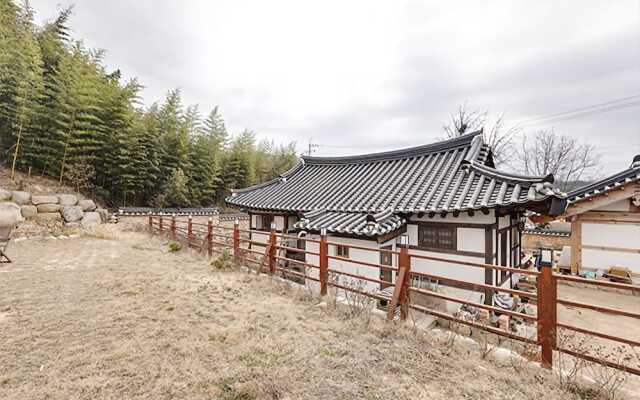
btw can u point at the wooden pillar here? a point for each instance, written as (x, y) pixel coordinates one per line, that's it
(236, 241)
(547, 314)
(272, 249)
(189, 229)
(150, 222)
(209, 236)
(488, 259)
(576, 246)
(161, 228)
(324, 262)
(404, 261)
(173, 227)
(400, 291)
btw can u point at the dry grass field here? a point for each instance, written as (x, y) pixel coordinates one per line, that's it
(115, 315)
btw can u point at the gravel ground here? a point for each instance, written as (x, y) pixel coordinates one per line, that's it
(114, 315)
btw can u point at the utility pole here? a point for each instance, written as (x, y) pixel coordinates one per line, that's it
(312, 147)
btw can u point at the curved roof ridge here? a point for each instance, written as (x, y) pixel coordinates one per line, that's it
(617, 179)
(283, 177)
(436, 147)
(508, 176)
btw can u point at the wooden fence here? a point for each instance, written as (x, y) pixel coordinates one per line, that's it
(273, 254)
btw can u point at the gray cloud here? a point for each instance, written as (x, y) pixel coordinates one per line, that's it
(363, 77)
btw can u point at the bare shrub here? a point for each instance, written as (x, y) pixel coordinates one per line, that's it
(573, 373)
(224, 261)
(358, 304)
(485, 345)
(608, 381)
(522, 353)
(448, 343)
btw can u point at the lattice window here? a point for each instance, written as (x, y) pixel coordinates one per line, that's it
(434, 236)
(342, 251)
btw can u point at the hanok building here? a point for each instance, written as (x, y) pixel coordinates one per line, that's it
(446, 196)
(605, 223)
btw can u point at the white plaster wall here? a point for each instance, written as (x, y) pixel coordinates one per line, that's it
(622, 205)
(312, 258)
(412, 232)
(504, 221)
(471, 239)
(453, 271)
(611, 235)
(260, 237)
(603, 260)
(279, 221)
(355, 268)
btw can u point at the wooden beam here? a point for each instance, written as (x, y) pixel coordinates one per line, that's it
(609, 248)
(610, 216)
(576, 247)
(602, 200)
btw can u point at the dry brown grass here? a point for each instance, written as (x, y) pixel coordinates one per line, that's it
(119, 317)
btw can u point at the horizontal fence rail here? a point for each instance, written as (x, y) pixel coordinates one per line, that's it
(308, 261)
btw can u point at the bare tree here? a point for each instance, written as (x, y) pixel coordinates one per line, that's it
(568, 159)
(465, 120)
(498, 135)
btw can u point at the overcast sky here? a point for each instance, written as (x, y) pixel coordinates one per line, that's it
(372, 76)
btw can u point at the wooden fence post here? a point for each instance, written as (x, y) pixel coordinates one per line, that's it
(547, 314)
(189, 230)
(173, 227)
(160, 226)
(150, 222)
(236, 241)
(401, 290)
(404, 261)
(210, 236)
(272, 249)
(324, 262)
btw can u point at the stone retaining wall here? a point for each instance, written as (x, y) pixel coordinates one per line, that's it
(64, 208)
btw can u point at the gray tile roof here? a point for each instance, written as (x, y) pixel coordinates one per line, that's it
(448, 176)
(351, 223)
(543, 232)
(615, 181)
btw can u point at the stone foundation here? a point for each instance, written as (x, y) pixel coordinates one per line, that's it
(67, 208)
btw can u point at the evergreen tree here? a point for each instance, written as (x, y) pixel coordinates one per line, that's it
(64, 114)
(21, 84)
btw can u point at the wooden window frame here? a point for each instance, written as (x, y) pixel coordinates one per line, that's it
(261, 218)
(342, 251)
(438, 248)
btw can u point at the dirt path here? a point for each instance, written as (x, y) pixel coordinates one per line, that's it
(89, 318)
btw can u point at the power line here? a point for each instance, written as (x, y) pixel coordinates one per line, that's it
(636, 96)
(599, 108)
(594, 109)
